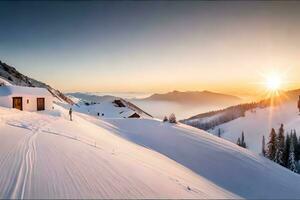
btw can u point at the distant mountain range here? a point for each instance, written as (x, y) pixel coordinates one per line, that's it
(195, 97)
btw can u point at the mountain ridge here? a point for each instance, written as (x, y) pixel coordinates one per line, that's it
(13, 76)
(195, 97)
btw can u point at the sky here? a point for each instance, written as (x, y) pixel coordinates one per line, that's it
(153, 46)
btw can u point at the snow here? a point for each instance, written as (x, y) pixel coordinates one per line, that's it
(259, 122)
(205, 119)
(44, 155)
(104, 105)
(8, 90)
(234, 169)
(4, 81)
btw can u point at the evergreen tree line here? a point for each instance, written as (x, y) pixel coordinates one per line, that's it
(225, 115)
(171, 119)
(284, 150)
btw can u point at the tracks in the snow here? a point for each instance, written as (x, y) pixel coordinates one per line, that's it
(24, 174)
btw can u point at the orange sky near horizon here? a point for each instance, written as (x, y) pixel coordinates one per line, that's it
(154, 47)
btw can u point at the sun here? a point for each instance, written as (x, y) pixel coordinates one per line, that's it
(273, 82)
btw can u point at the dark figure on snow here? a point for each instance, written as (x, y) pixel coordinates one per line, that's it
(70, 113)
(299, 103)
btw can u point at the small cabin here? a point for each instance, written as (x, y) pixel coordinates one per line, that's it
(134, 115)
(25, 98)
(119, 103)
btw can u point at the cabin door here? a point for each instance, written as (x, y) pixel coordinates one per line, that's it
(40, 103)
(17, 103)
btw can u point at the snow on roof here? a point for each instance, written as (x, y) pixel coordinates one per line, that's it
(8, 90)
(127, 113)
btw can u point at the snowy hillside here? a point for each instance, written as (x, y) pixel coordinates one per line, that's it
(210, 120)
(232, 168)
(44, 155)
(111, 155)
(258, 122)
(106, 106)
(4, 82)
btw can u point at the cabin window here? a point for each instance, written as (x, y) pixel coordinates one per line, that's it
(27, 101)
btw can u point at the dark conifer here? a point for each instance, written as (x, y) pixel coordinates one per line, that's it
(292, 162)
(286, 151)
(280, 146)
(271, 148)
(263, 148)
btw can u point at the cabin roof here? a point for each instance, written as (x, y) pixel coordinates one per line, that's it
(9, 90)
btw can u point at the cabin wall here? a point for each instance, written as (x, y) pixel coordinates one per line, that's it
(31, 105)
(49, 103)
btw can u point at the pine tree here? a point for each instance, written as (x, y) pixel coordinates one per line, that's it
(286, 151)
(243, 143)
(271, 149)
(297, 150)
(172, 118)
(295, 139)
(238, 142)
(292, 162)
(219, 132)
(263, 149)
(295, 142)
(279, 146)
(165, 119)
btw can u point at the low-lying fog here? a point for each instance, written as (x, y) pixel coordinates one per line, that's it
(159, 109)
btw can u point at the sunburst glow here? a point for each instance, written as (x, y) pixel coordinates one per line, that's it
(273, 82)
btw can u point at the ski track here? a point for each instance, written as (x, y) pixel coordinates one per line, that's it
(37, 164)
(45, 155)
(22, 180)
(24, 176)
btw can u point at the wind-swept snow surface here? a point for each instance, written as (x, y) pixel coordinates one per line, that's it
(235, 169)
(44, 155)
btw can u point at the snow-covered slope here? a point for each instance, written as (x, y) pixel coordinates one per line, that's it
(44, 155)
(211, 119)
(106, 106)
(4, 82)
(258, 122)
(232, 168)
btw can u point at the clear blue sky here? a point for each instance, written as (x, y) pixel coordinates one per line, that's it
(150, 46)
